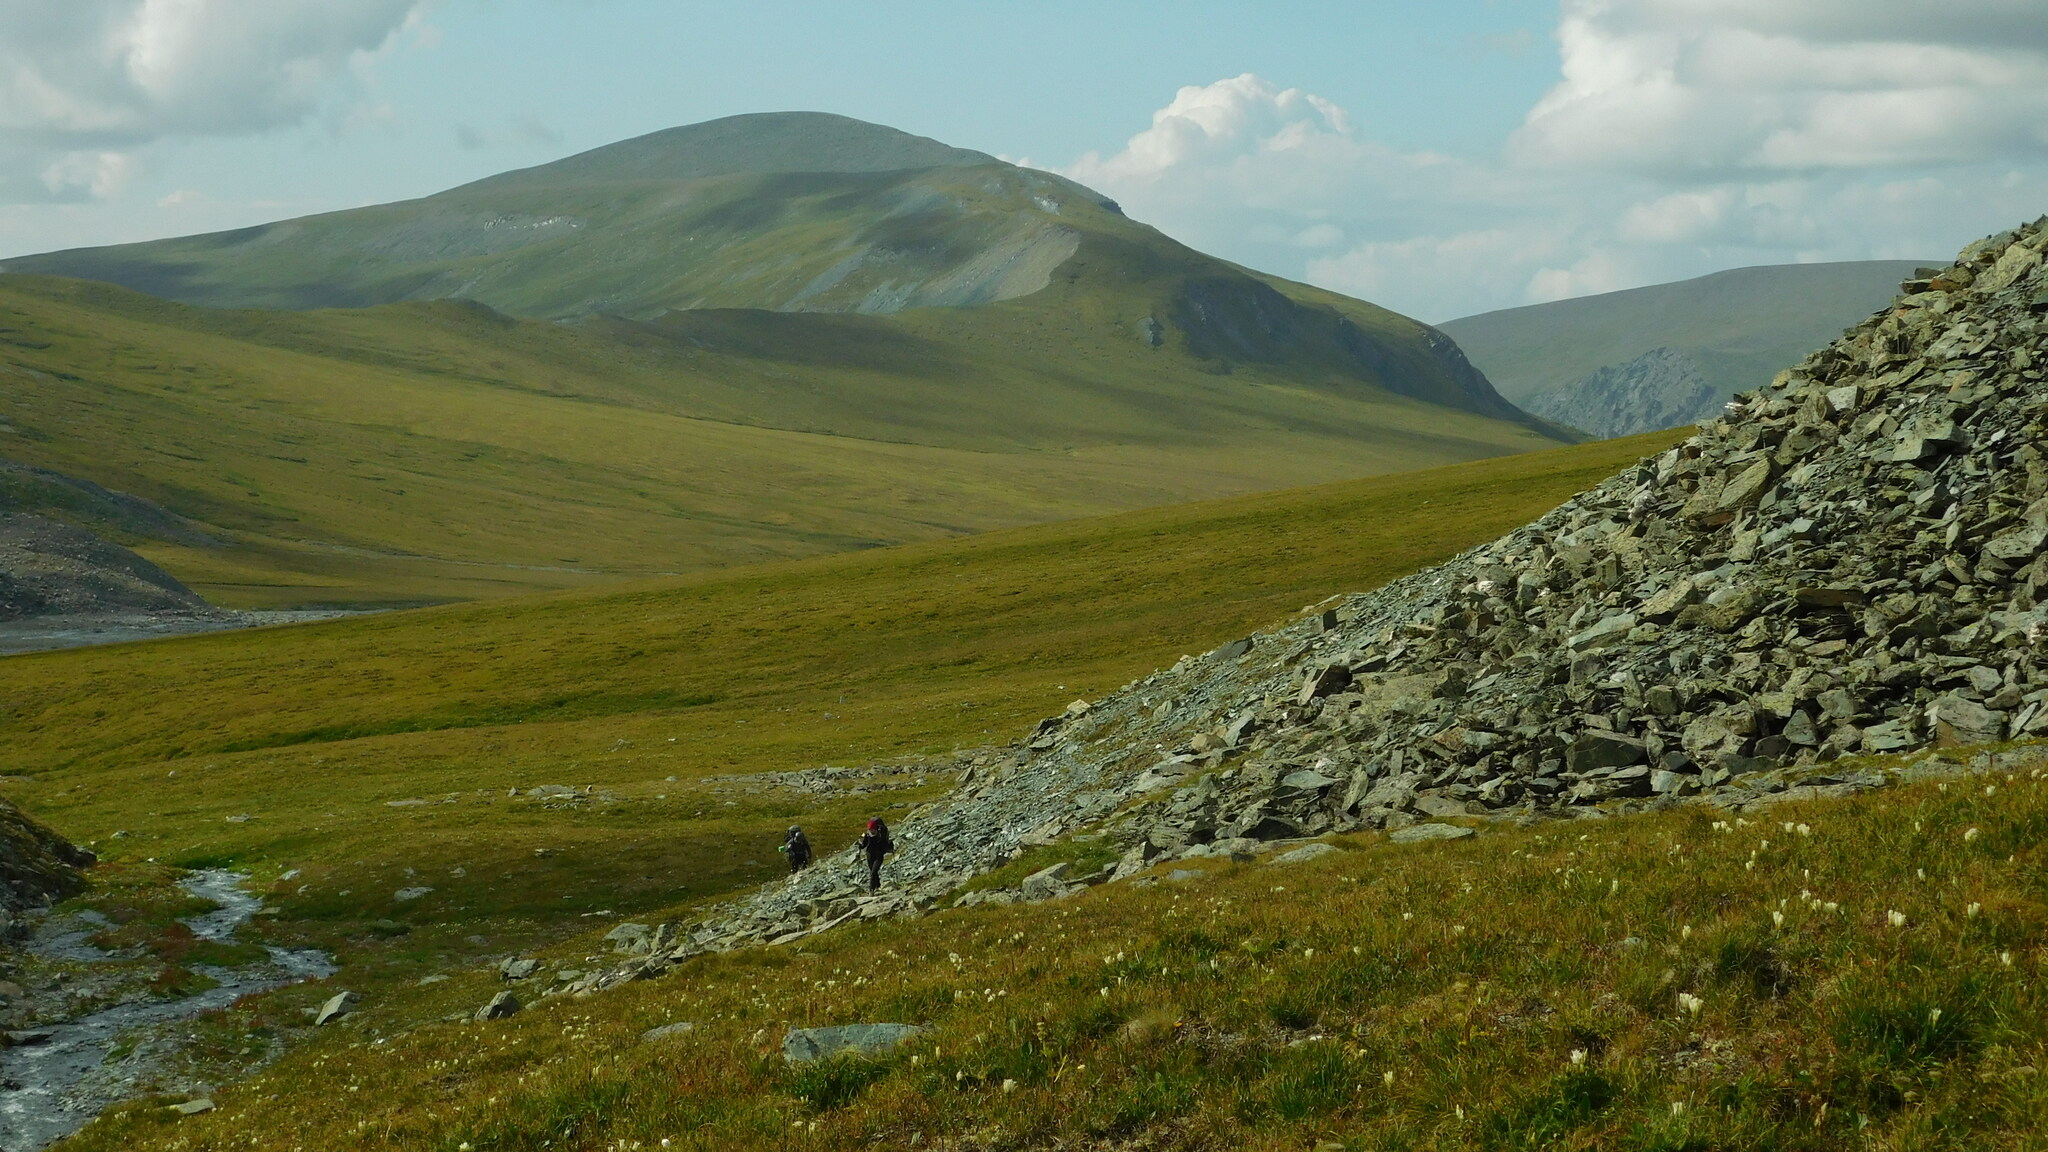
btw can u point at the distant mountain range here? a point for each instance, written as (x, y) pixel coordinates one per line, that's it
(1657, 357)
(763, 336)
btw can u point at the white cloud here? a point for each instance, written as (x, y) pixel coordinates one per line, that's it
(1682, 137)
(1737, 85)
(84, 83)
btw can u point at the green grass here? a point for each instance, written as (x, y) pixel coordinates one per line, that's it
(1252, 1007)
(313, 732)
(431, 452)
(1532, 988)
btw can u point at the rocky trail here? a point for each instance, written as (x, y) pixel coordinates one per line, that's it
(1846, 562)
(61, 1073)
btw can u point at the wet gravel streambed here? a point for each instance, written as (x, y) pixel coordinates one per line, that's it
(50, 1087)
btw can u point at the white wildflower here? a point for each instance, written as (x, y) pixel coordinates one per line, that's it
(1897, 918)
(1578, 1057)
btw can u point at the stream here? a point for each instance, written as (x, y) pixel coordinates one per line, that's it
(53, 1087)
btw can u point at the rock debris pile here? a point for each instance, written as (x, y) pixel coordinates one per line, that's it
(1847, 561)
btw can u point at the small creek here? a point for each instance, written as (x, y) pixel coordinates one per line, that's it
(55, 1086)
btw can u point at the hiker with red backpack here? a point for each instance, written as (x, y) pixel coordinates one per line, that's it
(875, 844)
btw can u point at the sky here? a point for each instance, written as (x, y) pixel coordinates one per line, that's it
(1440, 157)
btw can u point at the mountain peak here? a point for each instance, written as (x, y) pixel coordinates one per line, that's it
(755, 144)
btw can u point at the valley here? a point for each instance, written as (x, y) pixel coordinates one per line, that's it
(444, 437)
(1288, 742)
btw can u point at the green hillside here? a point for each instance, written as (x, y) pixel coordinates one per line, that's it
(762, 337)
(423, 452)
(1690, 344)
(794, 212)
(1241, 1006)
(833, 659)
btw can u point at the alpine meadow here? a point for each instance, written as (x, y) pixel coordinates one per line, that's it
(785, 633)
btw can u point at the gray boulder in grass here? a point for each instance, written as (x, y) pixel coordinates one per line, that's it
(804, 1045)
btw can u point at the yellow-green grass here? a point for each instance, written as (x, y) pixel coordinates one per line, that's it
(1862, 973)
(312, 731)
(432, 452)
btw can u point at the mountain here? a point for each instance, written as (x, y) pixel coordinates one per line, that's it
(789, 212)
(1670, 354)
(754, 339)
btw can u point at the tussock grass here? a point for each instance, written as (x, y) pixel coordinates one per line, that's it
(1643, 982)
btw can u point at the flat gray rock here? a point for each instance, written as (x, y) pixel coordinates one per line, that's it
(804, 1045)
(1416, 833)
(337, 1006)
(1305, 853)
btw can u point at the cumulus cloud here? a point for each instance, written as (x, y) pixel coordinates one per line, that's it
(1739, 85)
(85, 83)
(1682, 137)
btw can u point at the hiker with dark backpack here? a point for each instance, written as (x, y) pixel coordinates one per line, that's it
(797, 847)
(875, 844)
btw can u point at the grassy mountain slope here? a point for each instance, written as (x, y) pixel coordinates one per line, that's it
(798, 212)
(1737, 329)
(441, 450)
(1246, 1007)
(834, 659)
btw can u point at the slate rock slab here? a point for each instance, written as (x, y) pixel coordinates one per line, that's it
(1306, 853)
(804, 1045)
(1417, 833)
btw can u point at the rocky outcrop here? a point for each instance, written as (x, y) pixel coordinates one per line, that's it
(48, 568)
(37, 866)
(1848, 561)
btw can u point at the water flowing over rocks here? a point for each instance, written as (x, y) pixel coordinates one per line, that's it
(78, 1065)
(1847, 561)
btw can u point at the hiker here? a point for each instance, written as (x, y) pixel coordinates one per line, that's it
(875, 844)
(798, 848)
